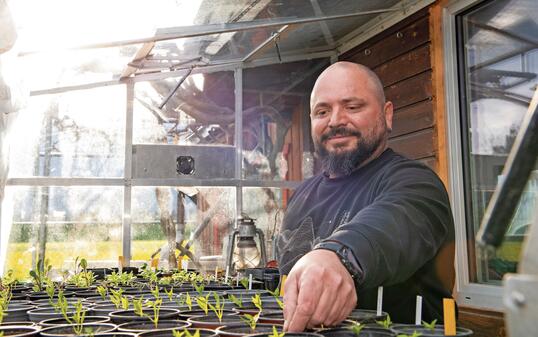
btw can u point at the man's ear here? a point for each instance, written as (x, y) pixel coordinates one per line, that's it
(389, 110)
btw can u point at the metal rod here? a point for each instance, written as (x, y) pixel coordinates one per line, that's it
(128, 173)
(265, 44)
(179, 83)
(57, 181)
(517, 169)
(238, 141)
(201, 30)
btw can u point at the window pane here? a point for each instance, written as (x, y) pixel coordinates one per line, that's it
(200, 112)
(201, 217)
(500, 68)
(74, 134)
(267, 206)
(276, 122)
(62, 222)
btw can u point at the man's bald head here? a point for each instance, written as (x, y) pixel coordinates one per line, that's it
(374, 83)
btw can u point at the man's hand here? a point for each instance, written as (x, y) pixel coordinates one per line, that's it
(318, 290)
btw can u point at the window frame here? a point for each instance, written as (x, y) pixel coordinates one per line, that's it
(466, 292)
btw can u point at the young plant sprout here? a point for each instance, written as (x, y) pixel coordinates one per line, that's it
(120, 279)
(156, 307)
(149, 274)
(185, 299)
(40, 274)
(356, 327)
(170, 293)
(218, 308)
(235, 300)
(78, 318)
(385, 323)
(102, 291)
(116, 297)
(276, 296)
(50, 290)
(244, 282)
(276, 333)
(414, 334)
(137, 306)
(185, 333)
(155, 292)
(257, 301)
(62, 306)
(430, 326)
(199, 287)
(202, 302)
(251, 320)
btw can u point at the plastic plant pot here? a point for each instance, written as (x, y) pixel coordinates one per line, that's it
(437, 331)
(239, 330)
(272, 317)
(124, 316)
(364, 316)
(196, 313)
(136, 327)
(170, 333)
(41, 314)
(16, 313)
(19, 330)
(365, 332)
(19, 323)
(62, 321)
(289, 334)
(88, 329)
(213, 322)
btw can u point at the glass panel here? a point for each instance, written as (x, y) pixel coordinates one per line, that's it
(201, 111)
(61, 223)
(198, 217)
(276, 122)
(267, 206)
(501, 76)
(74, 134)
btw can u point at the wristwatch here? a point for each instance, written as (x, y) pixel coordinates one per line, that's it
(346, 256)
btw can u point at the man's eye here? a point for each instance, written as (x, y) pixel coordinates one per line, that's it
(320, 113)
(354, 107)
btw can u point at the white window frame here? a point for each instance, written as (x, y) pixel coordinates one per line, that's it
(467, 293)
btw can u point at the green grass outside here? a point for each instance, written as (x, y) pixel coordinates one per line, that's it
(19, 258)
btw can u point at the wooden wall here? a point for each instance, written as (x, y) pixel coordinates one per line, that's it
(401, 57)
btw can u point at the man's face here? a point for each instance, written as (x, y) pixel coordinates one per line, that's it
(349, 122)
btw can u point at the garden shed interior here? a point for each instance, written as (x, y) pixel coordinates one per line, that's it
(140, 131)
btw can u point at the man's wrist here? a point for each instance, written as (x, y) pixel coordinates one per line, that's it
(346, 256)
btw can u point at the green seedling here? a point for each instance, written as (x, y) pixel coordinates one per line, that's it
(257, 301)
(50, 290)
(137, 306)
(276, 296)
(116, 297)
(218, 307)
(386, 323)
(251, 320)
(78, 317)
(237, 301)
(155, 292)
(202, 302)
(244, 282)
(186, 333)
(8, 279)
(156, 307)
(120, 279)
(62, 306)
(102, 291)
(199, 287)
(149, 274)
(169, 294)
(188, 301)
(356, 327)
(165, 281)
(276, 333)
(430, 326)
(39, 274)
(414, 334)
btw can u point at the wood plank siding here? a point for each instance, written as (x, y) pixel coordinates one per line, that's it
(401, 57)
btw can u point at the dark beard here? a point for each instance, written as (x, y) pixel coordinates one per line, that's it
(343, 163)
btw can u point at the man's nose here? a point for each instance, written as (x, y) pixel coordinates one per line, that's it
(338, 117)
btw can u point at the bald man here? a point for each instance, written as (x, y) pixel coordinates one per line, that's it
(371, 218)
